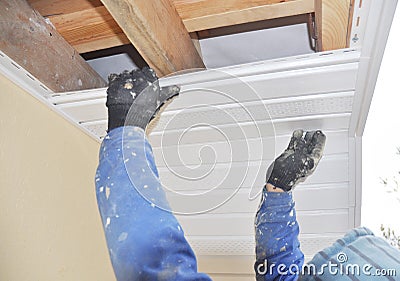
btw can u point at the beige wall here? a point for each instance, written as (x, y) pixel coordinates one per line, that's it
(50, 226)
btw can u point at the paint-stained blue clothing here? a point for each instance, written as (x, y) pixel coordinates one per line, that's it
(358, 256)
(278, 254)
(144, 241)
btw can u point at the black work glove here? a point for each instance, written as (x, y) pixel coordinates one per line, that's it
(298, 161)
(137, 92)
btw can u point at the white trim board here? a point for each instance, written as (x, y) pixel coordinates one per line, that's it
(380, 16)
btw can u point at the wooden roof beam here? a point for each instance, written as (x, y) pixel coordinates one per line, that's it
(157, 32)
(35, 45)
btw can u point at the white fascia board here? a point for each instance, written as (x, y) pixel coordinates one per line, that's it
(378, 20)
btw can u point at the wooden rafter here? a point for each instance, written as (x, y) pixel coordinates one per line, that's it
(157, 32)
(35, 45)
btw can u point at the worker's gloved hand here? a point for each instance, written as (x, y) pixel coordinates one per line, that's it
(298, 161)
(137, 92)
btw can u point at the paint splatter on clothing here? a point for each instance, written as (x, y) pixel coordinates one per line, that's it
(145, 240)
(277, 243)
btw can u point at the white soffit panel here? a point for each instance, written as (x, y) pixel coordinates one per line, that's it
(313, 87)
(313, 91)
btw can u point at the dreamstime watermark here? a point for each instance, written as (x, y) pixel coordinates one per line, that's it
(333, 268)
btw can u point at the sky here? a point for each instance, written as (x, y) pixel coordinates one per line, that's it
(381, 139)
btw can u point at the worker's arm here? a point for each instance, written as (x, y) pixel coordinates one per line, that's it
(144, 239)
(278, 254)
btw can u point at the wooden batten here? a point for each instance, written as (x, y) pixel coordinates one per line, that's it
(85, 24)
(89, 30)
(208, 14)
